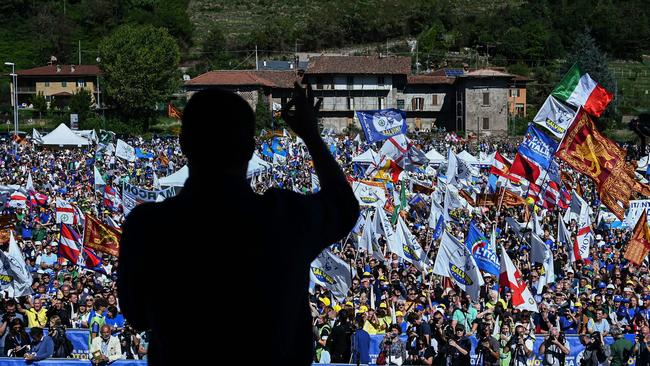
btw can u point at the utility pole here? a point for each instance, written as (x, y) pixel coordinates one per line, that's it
(256, 64)
(79, 53)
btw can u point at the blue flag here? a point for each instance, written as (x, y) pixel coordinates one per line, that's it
(379, 125)
(277, 147)
(266, 150)
(479, 246)
(538, 147)
(440, 226)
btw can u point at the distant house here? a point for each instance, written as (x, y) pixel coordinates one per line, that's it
(478, 101)
(275, 65)
(57, 83)
(276, 86)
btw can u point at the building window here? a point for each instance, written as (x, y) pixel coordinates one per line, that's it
(486, 123)
(380, 102)
(64, 84)
(332, 83)
(486, 98)
(319, 83)
(81, 83)
(380, 80)
(320, 102)
(434, 99)
(47, 84)
(519, 109)
(350, 103)
(350, 82)
(514, 93)
(417, 104)
(400, 104)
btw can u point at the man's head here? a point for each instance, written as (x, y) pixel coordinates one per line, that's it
(36, 333)
(216, 112)
(105, 332)
(37, 304)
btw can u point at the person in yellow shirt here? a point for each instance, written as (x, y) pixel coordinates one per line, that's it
(385, 319)
(371, 324)
(36, 315)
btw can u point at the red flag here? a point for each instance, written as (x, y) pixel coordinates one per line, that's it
(511, 277)
(101, 237)
(639, 245)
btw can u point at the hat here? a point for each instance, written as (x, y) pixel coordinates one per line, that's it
(629, 282)
(419, 307)
(349, 303)
(362, 309)
(337, 308)
(382, 305)
(599, 237)
(618, 298)
(325, 301)
(399, 313)
(627, 289)
(611, 287)
(578, 304)
(588, 287)
(366, 274)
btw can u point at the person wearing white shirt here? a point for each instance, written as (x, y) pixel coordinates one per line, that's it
(108, 346)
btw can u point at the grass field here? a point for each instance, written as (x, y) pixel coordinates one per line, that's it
(633, 85)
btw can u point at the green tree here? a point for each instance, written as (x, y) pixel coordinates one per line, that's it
(263, 116)
(140, 66)
(213, 47)
(80, 104)
(39, 103)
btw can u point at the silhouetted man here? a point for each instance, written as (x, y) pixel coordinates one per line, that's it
(218, 256)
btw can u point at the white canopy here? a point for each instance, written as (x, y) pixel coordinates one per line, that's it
(368, 157)
(435, 157)
(176, 179)
(257, 166)
(88, 134)
(63, 136)
(468, 158)
(642, 164)
(486, 159)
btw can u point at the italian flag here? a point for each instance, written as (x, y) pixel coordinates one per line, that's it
(579, 89)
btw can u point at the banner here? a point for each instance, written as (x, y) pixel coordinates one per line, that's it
(555, 116)
(381, 124)
(133, 196)
(101, 237)
(538, 147)
(332, 272)
(634, 211)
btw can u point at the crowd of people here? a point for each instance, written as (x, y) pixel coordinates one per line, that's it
(421, 317)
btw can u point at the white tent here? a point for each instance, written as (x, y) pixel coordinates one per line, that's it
(368, 157)
(63, 136)
(468, 158)
(486, 159)
(256, 166)
(435, 157)
(177, 179)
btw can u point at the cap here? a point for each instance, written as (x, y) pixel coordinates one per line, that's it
(382, 305)
(362, 309)
(578, 304)
(337, 308)
(618, 298)
(602, 285)
(325, 301)
(349, 303)
(399, 313)
(419, 307)
(611, 287)
(627, 289)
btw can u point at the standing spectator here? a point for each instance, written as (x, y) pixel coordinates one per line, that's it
(339, 340)
(642, 347)
(458, 348)
(392, 347)
(17, 340)
(520, 346)
(42, 346)
(36, 315)
(621, 349)
(600, 324)
(360, 344)
(487, 348)
(596, 352)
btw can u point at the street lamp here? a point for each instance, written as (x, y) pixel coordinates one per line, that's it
(14, 81)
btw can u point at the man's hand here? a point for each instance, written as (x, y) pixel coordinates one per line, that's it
(302, 120)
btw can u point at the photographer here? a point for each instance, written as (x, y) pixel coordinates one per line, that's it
(487, 348)
(642, 347)
(521, 346)
(596, 352)
(458, 347)
(555, 348)
(621, 349)
(392, 347)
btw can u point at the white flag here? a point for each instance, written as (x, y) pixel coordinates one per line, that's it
(156, 182)
(64, 212)
(411, 250)
(30, 183)
(436, 211)
(14, 264)
(455, 261)
(555, 116)
(452, 167)
(332, 272)
(452, 201)
(389, 233)
(36, 136)
(315, 183)
(369, 194)
(541, 253)
(124, 151)
(366, 239)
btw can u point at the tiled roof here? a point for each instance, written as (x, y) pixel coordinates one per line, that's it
(429, 80)
(359, 65)
(277, 79)
(61, 70)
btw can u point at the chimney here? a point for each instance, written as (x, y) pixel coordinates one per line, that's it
(58, 68)
(71, 68)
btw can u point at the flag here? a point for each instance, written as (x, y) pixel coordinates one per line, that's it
(367, 237)
(111, 198)
(15, 266)
(369, 193)
(563, 234)
(501, 167)
(379, 125)
(586, 150)
(124, 151)
(579, 89)
(89, 259)
(101, 237)
(69, 244)
(541, 253)
(98, 179)
(582, 243)
(639, 244)
(478, 244)
(555, 116)
(64, 212)
(455, 261)
(383, 226)
(277, 147)
(411, 251)
(524, 168)
(18, 200)
(511, 277)
(173, 112)
(331, 272)
(315, 183)
(396, 149)
(537, 147)
(401, 205)
(36, 136)
(451, 201)
(79, 216)
(106, 137)
(30, 183)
